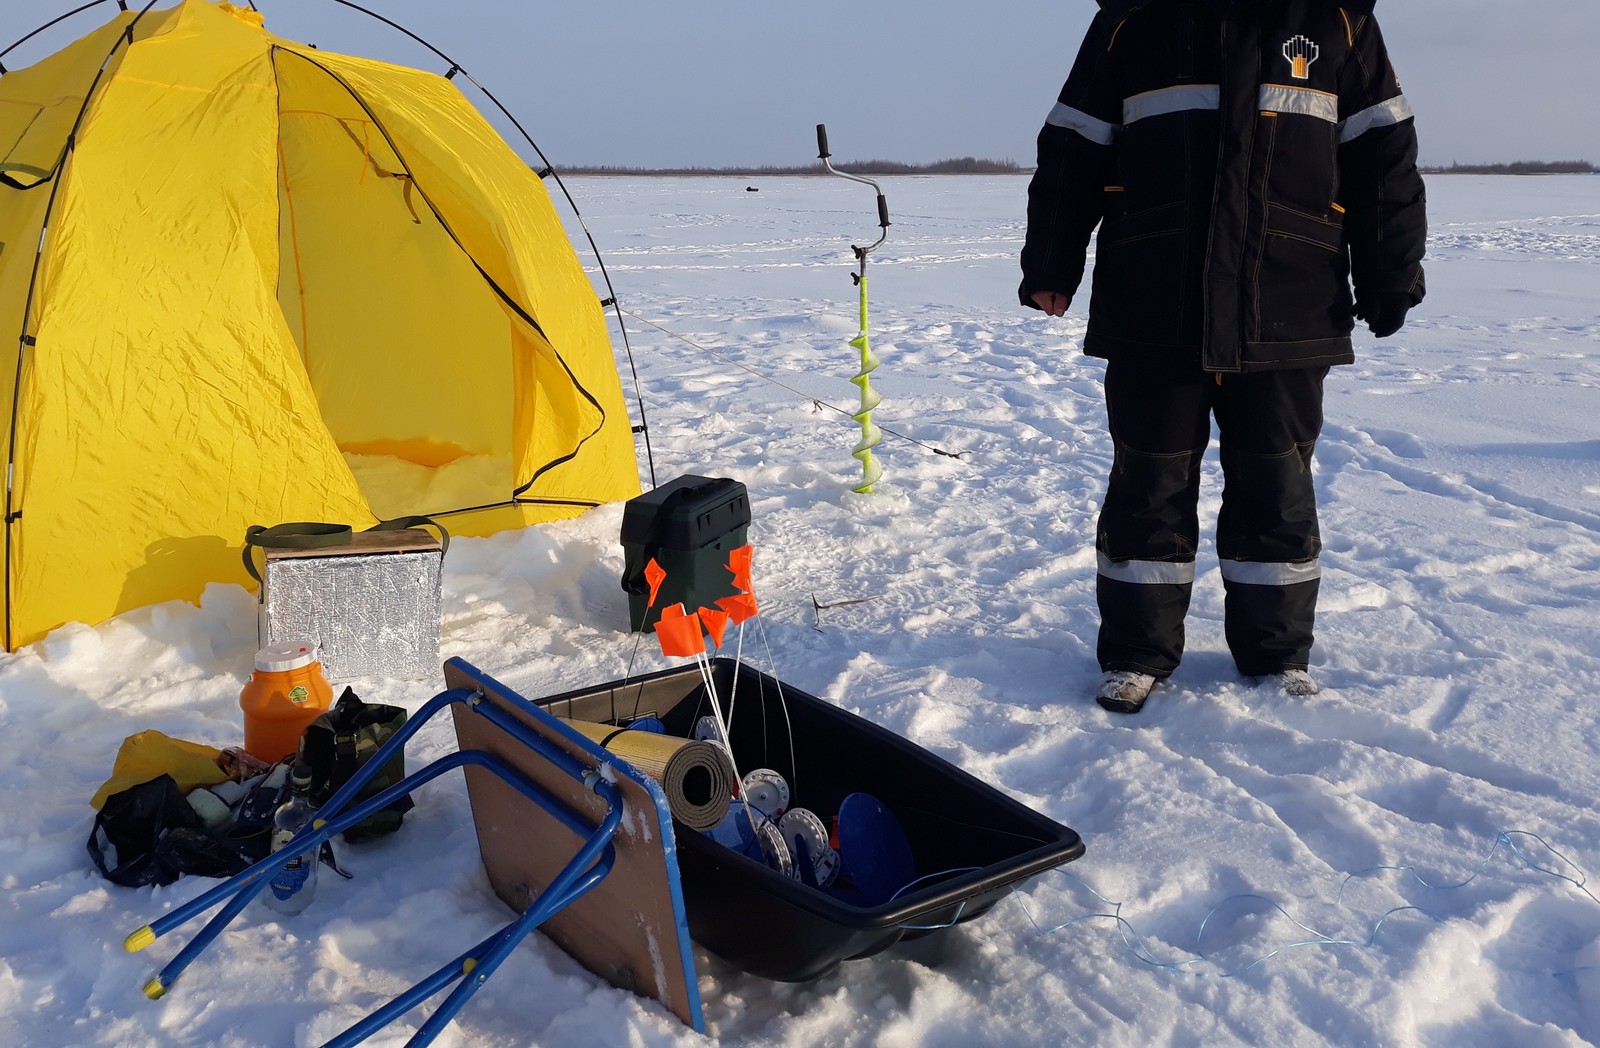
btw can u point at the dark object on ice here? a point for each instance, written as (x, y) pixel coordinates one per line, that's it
(751, 189)
(688, 526)
(970, 844)
(250, 831)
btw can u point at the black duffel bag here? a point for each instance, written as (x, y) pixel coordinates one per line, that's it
(148, 834)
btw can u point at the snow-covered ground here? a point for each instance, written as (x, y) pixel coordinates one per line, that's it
(1426, 824)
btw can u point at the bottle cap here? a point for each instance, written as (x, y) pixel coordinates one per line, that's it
(290, 655)
(300, 777)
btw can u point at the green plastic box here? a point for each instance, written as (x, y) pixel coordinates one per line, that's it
(688, 526)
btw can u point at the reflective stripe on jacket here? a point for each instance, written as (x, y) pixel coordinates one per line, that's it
(1244, 163)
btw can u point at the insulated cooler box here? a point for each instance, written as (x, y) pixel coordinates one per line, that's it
(688, 526)
(371, 605)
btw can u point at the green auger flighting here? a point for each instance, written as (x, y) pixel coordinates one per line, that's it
(870, 433)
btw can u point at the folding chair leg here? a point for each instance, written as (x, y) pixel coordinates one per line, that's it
(475, 962)
(587, 868)
(157, 987)
(382, 1017)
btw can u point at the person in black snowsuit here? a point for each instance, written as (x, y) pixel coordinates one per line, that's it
(1246, 161)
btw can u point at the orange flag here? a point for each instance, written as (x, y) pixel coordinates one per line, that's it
(679, 633)
(739, 564)
(655, 575)
(740, 606)
(716, 623)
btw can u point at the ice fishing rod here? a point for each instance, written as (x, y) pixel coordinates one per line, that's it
(871, 435)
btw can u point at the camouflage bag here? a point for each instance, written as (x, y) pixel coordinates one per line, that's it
(339, 742)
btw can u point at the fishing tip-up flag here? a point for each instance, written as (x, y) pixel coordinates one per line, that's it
(655, 575)
(742, 605)
(715, 621)
(739, 561)
(739, 607)
(679, 632)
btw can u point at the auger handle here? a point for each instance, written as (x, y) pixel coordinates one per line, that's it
(883, 203)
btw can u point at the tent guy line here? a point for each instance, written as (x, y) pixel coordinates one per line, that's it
(818, 402)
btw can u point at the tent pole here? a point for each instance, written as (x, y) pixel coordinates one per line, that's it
(549, 169)
(25, 340)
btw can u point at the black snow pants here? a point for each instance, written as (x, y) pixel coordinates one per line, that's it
(1267, 537)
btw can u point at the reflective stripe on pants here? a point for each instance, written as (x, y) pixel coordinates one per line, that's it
(1267, 535)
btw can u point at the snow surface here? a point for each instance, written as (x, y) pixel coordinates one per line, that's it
(1459, 477)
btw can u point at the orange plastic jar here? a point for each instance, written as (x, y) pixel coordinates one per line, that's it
(286, 692)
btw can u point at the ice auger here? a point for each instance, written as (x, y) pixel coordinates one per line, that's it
(870, 433)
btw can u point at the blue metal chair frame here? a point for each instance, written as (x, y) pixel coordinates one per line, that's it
(587, 868)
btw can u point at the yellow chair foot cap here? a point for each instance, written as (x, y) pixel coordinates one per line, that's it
(154, 990)
(139, 939)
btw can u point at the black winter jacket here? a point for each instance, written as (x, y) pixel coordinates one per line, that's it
(1244, 159)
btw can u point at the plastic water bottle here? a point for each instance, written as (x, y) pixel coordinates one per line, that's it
(295, 882)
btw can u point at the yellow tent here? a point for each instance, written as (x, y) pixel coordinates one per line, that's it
(255, 282)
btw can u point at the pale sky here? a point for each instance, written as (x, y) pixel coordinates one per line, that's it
(668, 83)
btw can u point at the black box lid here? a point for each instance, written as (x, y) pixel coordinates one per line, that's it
(686, 513)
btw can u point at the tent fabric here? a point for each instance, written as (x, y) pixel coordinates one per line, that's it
(273, 283)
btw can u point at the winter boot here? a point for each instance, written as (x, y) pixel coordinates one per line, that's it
(1296, 683)
(1124, 691)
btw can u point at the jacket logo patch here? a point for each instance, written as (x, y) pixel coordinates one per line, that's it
(1301, 52)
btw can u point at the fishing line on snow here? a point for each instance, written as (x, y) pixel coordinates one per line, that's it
(1134, 941)
(1504, 837)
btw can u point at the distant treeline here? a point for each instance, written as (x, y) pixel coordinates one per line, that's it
(965, 165)
(1519, 167)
